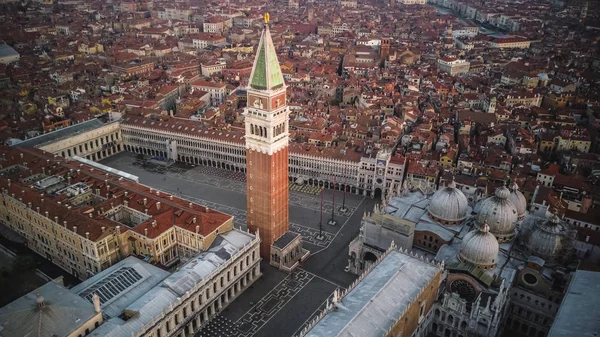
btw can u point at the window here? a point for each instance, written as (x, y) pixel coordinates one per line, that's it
(422, 311)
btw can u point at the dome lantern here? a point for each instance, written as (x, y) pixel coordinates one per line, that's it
(500, 213)
(449, 205)
(518, 199)
(549, 239)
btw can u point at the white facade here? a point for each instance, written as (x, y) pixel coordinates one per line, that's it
(414, 2)
(96, 144)
(509, 44)
(175, 14)
(207, 298)
(453, 66)
(217, 92)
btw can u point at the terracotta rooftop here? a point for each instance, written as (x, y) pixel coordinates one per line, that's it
(164, 211)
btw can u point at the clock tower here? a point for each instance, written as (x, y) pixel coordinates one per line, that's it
(266, 119)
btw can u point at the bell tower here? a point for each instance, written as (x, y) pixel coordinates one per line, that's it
(266, 119)
(385, 49)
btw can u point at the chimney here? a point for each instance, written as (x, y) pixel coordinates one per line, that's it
(65, 223)
(191, 205)
(90, 214)
(29, 204)
(154, 224)
(126, 194)
(157, 192)
(145, 210)
(102, 229)
(145, 201)
(47, 215)
(146, 231)
(56, 219)
(194, 220)
(158, 206)
(87, 235)
(37, 209)
(8, 182)
(96, 300)
(74, 229)
(118, 228)
(170, 197)
(151, 189)
(197, 227)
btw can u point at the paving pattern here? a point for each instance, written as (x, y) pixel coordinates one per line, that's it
(277, 295)
(308, 234)
(236, 182)
(261, 312)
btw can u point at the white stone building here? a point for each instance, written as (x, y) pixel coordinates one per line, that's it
(453, 66)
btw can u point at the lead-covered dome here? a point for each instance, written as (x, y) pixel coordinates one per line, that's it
(518, 199)
(500, 214)
(548, 239)
(480, 248)
(448, 205)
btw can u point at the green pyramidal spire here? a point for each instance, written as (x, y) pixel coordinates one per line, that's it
(266, 73)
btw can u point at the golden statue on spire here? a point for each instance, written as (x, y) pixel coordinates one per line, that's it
(266, 18)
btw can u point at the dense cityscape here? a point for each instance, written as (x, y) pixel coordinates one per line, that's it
(299, 168)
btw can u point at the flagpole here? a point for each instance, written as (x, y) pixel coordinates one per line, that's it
(320, 236)
(332, 221)
(344, 209)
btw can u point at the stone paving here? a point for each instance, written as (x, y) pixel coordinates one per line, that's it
(309, 234)
(261, 312)
(236, 182)
(308, 201)
(323, 271)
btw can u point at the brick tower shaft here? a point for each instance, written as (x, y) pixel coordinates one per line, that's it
(266, 119)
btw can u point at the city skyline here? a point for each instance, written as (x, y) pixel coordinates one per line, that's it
(298, 168)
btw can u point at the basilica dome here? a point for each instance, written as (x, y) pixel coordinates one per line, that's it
(480, 248)
(500, 213)
(448, 205)
(518, 199)
(548, 239)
